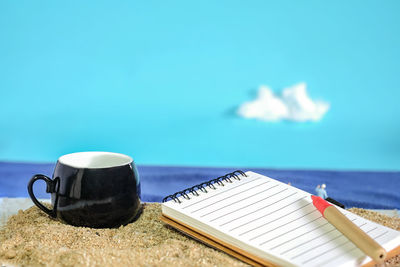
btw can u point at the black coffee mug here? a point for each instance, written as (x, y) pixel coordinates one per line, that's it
(92, 189)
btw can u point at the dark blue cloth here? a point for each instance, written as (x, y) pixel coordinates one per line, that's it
(376, 190)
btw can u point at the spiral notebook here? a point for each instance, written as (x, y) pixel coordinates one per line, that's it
(268, 223)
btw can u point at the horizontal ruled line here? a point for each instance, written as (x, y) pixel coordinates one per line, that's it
(303, 252)
(248, 231)
(263, 215)
(232, 203)
(247, 207)
(284, 225)
(376, 237)
(329, 250)
(355, 247)
(277, 193)
(281, 244)
(191, 204)
(311, 249)
(311, 240)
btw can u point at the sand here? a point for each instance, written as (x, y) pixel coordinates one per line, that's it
(31, 238)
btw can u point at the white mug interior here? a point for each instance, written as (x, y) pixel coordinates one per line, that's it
(95, 160)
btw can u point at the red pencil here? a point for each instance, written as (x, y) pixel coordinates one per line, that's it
(363, 241)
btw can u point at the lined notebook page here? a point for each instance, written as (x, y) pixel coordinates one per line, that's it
(275, 221)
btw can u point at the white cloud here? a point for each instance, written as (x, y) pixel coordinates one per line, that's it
(294, 104)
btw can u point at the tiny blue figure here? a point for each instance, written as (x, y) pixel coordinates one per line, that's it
(321, 192)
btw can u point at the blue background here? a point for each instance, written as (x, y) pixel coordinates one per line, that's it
(161, 81)
(379, 190)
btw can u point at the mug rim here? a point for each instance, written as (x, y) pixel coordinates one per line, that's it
(85, 160)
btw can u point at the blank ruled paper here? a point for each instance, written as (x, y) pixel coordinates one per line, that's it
(275, 221)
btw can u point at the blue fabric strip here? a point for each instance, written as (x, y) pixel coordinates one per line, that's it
(373, 190)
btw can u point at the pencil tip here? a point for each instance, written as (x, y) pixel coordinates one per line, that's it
(320, 203)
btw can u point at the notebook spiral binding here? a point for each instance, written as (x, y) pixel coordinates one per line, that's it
(227, 178)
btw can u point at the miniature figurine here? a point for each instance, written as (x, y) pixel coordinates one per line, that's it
(321, 192)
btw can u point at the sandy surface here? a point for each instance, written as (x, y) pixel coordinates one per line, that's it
(31, 238)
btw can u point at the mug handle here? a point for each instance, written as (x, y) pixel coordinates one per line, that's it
(49, 189)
